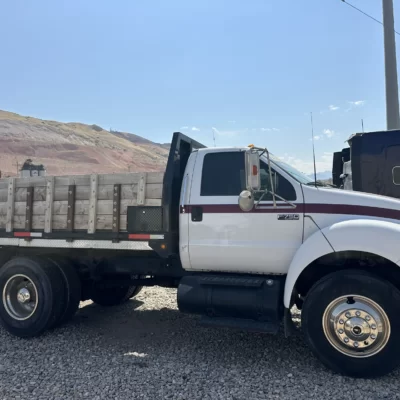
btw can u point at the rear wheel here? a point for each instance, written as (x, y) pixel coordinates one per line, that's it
(113, 296)
(72, 288)
(32, 296)
(135, 291)
(350, 321)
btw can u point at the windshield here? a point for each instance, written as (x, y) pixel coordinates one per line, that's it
(293, 172)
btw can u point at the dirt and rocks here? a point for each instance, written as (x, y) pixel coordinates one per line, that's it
(146, 349)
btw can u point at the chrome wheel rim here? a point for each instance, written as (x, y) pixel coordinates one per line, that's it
(20, 297)
(356, 326)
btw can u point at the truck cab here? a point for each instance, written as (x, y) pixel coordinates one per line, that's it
(213, 226)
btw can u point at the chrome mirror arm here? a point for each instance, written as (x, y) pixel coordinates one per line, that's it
(264, 192)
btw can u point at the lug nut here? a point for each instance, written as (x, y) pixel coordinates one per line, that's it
(373, 337)
(341, 331)
(367, 317)
(355, 344)
(358, 313)
(373, 326)
(346, 340)
(341, 322)
(348, 315)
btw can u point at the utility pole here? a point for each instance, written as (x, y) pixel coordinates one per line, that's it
(392, 90)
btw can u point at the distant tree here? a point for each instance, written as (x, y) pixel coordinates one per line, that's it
(96, 128)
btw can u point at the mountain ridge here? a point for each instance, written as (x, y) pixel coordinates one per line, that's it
(74, 147)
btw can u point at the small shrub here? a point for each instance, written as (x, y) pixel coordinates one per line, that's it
(96, 128)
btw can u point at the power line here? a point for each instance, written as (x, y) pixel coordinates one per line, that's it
(366, 14)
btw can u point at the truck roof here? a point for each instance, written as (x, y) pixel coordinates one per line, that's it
(219, 149)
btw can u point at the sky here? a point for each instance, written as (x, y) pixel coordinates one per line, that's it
(240, 71)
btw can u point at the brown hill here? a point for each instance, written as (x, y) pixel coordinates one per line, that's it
(74, 148)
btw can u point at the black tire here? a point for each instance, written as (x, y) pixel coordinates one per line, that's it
(361, 285)
(113, 296)
(72, 288)
(50, 301)
(135, 291)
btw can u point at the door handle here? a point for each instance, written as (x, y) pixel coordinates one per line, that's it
(197, 213)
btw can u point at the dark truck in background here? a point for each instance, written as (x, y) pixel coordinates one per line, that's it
(370, 164)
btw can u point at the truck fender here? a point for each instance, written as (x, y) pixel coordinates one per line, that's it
(313, 248)
(365, 235)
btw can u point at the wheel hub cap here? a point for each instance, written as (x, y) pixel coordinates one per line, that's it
(356, 326)
(20, 297)
(23, 295)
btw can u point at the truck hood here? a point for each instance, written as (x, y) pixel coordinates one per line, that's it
(349, 204)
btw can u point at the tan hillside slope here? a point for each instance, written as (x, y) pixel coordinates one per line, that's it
(74, 148)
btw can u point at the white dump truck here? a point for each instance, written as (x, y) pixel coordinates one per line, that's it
(243, 237)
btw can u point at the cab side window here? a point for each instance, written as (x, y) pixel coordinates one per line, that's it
(223, 174)
(282, 186)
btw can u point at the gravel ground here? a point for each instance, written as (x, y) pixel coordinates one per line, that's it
(146, 349)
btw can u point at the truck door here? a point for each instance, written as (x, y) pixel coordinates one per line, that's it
(184, 214)
(224, 238)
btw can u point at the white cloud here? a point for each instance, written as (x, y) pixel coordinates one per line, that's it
(269, 129)
(317, 137)
(357, 103)
(184, 128)
(333, 108)
(195, 129)
(329, 133)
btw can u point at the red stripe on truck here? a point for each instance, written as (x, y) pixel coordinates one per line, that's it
(301, 208)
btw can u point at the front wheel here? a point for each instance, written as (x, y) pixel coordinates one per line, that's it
(351, 322)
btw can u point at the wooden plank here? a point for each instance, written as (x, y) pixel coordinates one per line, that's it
(116, 208)
(105, 192)
(10, 205)
(131, 178)
(59, 222)
(49, 204)
(77, 180)
(84, 180)
(30, 181)
(109, 179)
(141, 196)
(39, 194)
(154, 191)
(104, 207)
(29, 209)
(70, 207)
(94, 183)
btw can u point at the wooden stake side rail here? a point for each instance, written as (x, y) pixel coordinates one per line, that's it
(86, 202)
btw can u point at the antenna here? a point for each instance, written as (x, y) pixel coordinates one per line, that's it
(362, 125)
(313, 149)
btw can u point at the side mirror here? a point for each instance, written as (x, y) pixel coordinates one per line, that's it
(246, 201)
(252, 165)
